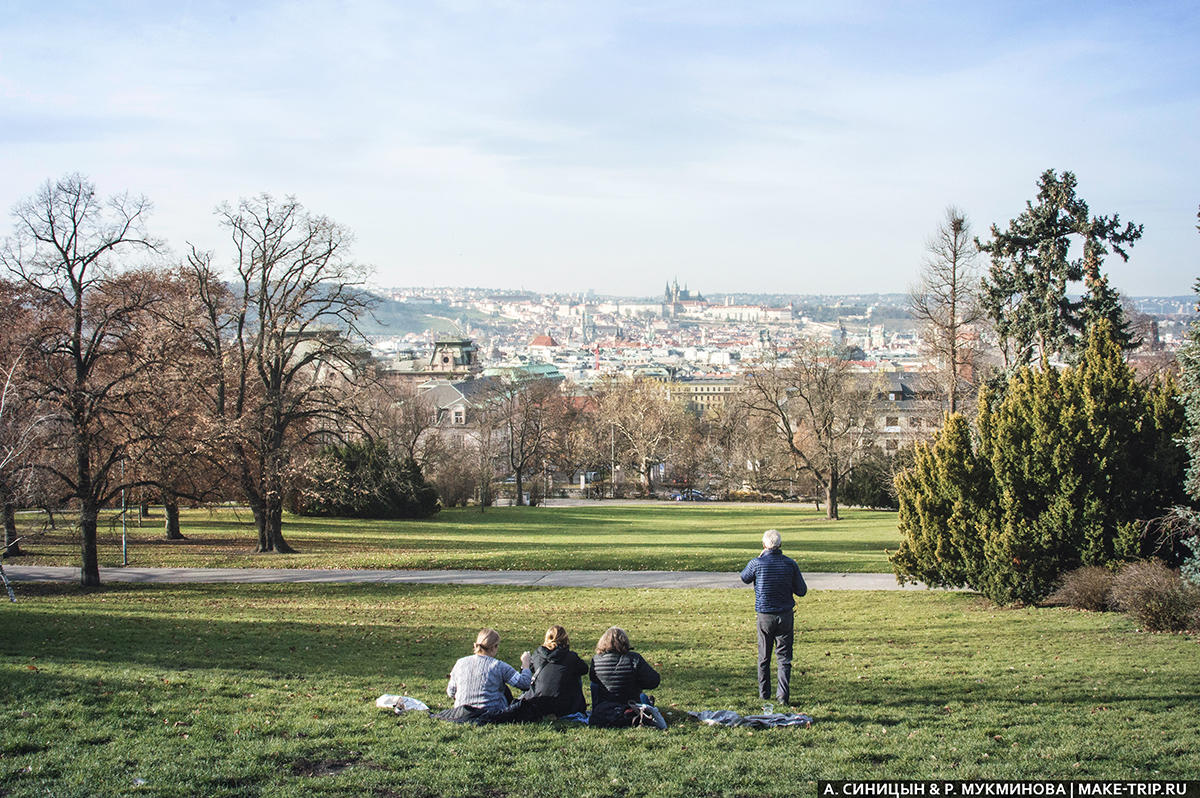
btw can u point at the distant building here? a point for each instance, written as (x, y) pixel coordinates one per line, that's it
(452, 359)
(701, 394)
(542, 345)
(454, 356)
(674, 294)
(908, 408)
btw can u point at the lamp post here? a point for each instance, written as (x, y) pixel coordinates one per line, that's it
(124, 546)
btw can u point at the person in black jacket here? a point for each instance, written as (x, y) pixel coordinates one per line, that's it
(557, 674)
(557, 688)
(618, 678)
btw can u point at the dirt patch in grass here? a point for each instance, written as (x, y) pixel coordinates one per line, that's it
(322, 767)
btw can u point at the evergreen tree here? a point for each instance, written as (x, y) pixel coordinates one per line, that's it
(1026, 290)
(1189, 378)
(1066, 468)
(945, 500)
(364, 480)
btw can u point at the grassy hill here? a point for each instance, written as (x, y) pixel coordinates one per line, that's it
(222, 690)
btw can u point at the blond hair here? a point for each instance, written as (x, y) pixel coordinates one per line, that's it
(487, 640)
(556, 637)
(615, 640)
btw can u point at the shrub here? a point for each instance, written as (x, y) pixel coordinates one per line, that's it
(872, 482)
(751, 495)
(1086, 588)
(1155, 596)
(363, 480)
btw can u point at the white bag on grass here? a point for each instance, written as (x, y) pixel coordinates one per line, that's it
(400, 703)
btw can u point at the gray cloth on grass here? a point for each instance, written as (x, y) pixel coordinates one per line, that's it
(727, 717)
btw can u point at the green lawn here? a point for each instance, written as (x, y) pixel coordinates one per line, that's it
(268, 689)
(716, 537)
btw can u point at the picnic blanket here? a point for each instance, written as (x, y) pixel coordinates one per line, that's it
(771, 720)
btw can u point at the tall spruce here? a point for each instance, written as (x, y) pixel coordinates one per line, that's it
(1027, 290)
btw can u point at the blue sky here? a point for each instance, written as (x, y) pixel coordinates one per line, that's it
(791, 147)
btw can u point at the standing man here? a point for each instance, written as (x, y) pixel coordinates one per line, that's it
(775, 579)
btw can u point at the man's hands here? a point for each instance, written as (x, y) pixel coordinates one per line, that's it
(525, 660)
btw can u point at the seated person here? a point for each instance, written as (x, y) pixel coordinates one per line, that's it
(477, 682)
(618, 678)
(557, 689)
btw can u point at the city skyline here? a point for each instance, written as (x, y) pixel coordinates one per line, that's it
(770, 148)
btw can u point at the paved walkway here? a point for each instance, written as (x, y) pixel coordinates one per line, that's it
(634, 579)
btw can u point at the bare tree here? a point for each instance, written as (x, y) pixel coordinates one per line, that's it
(744, 451)
(946, 303)
(819, 410)
(66, 253)
(528, 410)
(644, 419)
(580, 440)
(405, 419)
(176, 460)
(485, 434)
(281, 341)
(20, 421)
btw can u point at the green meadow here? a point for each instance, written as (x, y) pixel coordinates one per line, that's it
(221, 690)
(665, 536)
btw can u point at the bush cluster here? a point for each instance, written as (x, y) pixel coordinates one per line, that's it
(751, 495)
(1086, 588)
(1156, 596)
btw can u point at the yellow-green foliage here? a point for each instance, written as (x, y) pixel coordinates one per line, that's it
(1063, 468)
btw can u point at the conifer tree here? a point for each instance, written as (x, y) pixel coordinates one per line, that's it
(1189, 378)
(945, 500)
(1066, 468)
(1026, 292)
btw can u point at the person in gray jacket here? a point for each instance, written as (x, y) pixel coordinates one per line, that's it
(478, 682)
(776, 579)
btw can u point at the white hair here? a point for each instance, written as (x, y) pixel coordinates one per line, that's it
(771, 539)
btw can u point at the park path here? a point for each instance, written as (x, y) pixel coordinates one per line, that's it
(626, 579)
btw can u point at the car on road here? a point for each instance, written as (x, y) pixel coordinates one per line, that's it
(690, 495)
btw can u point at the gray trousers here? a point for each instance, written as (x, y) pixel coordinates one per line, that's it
(775, 631)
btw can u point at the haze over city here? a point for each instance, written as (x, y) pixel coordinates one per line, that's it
(772, 147)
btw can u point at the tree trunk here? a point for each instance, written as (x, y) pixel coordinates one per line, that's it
(171, 511)
(260, 521)
(143, 509)
(50, 517)
(520, 483)
(89, 573)
(831, 497)
(11, 547)
(274, 528)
